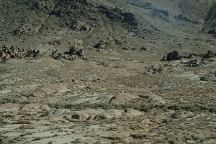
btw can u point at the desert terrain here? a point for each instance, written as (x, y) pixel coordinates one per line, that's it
(107, 72)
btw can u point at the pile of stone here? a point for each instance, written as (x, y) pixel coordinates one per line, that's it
(153, 69)
(11, 52)
(209, 76)
(192, 60)
(193, 63)
(101, 45)
(72, 54)
(33, 53)
(78, 26)
(209, 54)
(174, 55)
(16, 52)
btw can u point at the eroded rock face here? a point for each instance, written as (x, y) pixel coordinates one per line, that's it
(209, 26)
(117, 14)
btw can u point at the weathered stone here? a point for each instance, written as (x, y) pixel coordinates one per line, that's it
(16, 52)
(132, 113)
(71, 55)
(193, 63)
(156, 100)
(122, 98)
(101, 45)
(209, 54)
(31, 109)
(153, 69)
(77, 116)
(51, 89)
(78, 26)
(110, 114)
(9, 109)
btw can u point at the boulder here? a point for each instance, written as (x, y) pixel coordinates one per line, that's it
(174, 55)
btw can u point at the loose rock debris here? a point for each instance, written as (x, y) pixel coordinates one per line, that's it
(13, 52)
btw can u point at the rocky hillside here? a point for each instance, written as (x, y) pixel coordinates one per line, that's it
(210, 21)
(31, 17)
(141, 16)
(159, 24)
